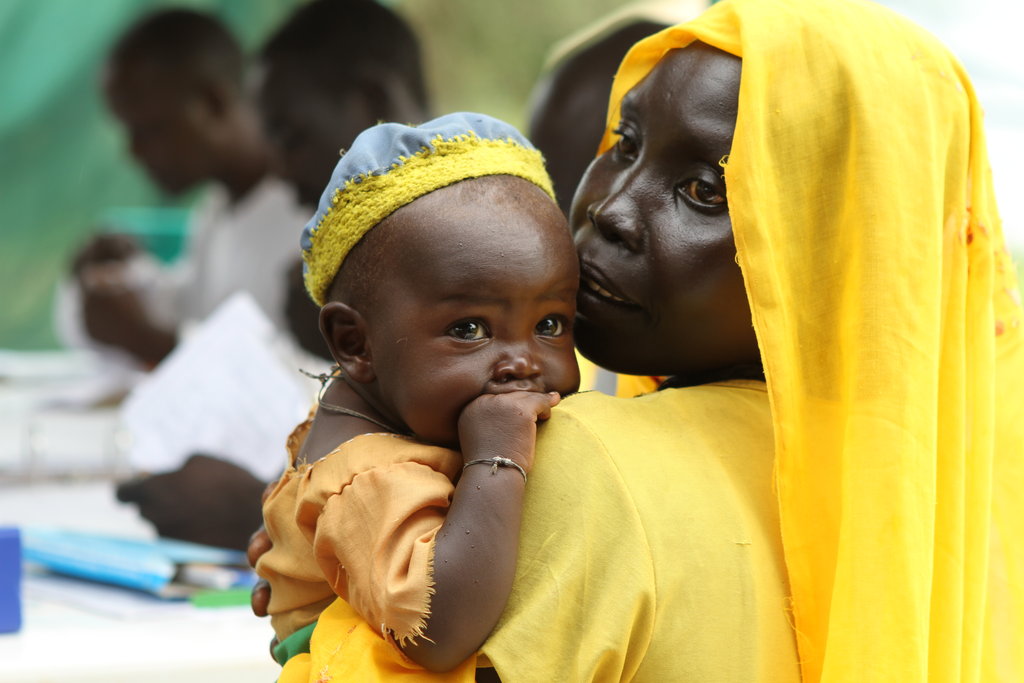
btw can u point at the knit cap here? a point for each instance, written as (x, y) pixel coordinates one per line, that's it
(390, 165)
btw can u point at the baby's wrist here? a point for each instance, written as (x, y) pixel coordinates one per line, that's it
(496, 463)
(521, 456)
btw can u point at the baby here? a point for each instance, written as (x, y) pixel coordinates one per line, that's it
(447, 279)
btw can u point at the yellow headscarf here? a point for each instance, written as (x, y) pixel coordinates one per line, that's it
(888, 317)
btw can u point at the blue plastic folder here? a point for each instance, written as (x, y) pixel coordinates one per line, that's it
(10, 580)
(155, 566)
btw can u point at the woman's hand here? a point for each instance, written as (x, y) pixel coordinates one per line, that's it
(259, 599)
(259, 544)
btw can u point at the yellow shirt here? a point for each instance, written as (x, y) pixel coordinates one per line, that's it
(650, 546)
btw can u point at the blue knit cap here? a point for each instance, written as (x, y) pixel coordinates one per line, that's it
(390, 165)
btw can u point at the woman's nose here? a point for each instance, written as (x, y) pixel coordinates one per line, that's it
(616, 219)
(516, 365)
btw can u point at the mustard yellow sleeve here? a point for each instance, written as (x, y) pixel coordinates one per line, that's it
(298, 591)
(371, 517)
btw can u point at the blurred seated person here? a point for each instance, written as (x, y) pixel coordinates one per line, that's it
(331, 70)
(174, 81)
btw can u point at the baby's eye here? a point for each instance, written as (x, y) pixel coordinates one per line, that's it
(468, 330)
(551, 326)
(702, 193)
(626, 145)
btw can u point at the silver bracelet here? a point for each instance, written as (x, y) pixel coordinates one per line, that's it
(496, 462)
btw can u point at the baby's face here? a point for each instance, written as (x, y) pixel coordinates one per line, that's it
(481, 299)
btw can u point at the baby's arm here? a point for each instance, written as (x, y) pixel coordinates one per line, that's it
(475, 549)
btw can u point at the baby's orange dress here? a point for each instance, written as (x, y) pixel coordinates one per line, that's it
(360, 524)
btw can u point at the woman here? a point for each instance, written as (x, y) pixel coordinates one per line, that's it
(871, 477)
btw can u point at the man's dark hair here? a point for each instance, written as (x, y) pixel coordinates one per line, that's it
(344, 41)
(185, 41)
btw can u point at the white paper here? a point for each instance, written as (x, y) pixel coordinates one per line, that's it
(223, 392)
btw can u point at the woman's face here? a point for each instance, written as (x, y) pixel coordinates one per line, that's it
(661, 292)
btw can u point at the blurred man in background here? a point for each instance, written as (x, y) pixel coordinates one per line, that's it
(333, 69)
(174, 81)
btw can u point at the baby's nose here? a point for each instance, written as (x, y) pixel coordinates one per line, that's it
(516, 366)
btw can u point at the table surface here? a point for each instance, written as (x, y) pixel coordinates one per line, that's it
(59, 417)
(60, 641)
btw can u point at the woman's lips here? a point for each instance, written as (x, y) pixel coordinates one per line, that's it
(591, 281)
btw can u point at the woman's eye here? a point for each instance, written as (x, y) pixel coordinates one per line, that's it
(469, 330)
(626, 145)
(550, 327)
(702, 193)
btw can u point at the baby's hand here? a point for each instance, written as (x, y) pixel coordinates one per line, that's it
(504, 425)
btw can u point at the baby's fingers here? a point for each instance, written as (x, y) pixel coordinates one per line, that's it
(551, 399)
(536, 404)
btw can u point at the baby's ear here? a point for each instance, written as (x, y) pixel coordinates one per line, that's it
(345, 331)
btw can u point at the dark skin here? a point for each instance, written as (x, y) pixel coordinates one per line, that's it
(112, 311)
(183, 129)
(468, 345)
(641, 186)
(661, 292)
(308, 121)
(204, 477)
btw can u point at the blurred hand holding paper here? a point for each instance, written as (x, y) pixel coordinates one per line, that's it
(224, 391)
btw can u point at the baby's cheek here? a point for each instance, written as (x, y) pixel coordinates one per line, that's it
(568, 373)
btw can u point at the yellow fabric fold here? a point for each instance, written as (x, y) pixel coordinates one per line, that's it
(889, 321)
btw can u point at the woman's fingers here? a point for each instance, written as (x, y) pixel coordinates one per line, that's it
(259, 599)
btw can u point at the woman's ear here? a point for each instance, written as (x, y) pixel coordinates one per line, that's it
(345, 331)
